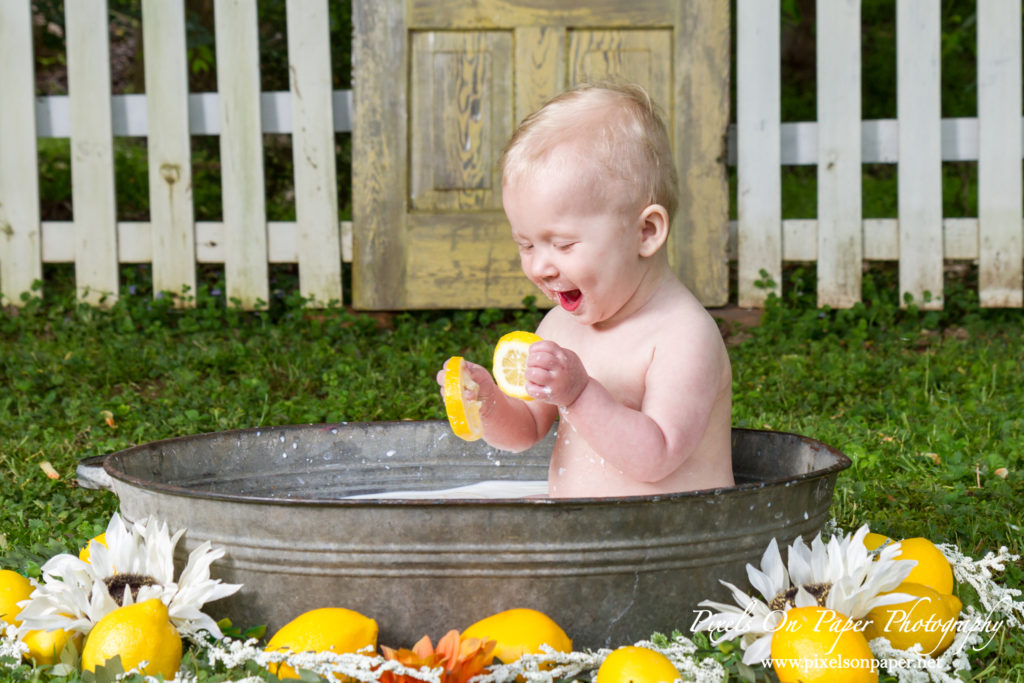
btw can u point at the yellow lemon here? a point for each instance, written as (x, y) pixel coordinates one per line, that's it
(873, 541)
(139, 632)
(519, 631)
(932, 566)
(13, 589)
(463, 415)
(929, 619)
(632, 664)
(84, 555)
(819, 645)
(44, 647)
(509, 368)
(328, 629)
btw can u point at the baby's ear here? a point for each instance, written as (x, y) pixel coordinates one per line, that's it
(654, 223)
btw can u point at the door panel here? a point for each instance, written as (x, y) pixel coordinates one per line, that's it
(439, 86)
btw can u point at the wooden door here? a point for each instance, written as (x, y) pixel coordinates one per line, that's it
(439, 86)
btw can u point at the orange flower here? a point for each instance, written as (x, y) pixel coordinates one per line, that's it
(460, 659)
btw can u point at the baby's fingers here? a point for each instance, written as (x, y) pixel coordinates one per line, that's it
(544, 355)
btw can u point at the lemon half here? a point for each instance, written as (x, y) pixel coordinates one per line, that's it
(509, 367)
(463, 415)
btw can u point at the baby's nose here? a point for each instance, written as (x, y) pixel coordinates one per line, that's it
(541, 266)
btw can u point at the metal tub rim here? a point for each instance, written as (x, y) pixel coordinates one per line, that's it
(108, 464)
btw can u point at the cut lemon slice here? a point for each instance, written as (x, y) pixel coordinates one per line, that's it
(463, 415)
(510, 363)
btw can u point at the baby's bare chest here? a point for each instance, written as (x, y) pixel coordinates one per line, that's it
(621, 368)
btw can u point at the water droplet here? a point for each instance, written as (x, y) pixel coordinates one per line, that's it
(390, 453)
(282, 438)
(806, 515)
(295, 444)
(284, 455)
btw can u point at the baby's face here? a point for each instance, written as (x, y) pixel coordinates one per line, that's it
(581, 250)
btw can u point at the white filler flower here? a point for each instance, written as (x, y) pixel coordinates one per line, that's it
(841, 575)
(136, 564)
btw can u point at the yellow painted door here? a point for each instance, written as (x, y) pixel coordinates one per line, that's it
(439, 86)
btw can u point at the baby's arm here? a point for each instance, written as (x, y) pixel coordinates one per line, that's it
(647, 444)
(509, 424)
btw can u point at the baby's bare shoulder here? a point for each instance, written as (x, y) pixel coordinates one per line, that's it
(681, 316)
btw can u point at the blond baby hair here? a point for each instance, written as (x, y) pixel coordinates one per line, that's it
(614, 128)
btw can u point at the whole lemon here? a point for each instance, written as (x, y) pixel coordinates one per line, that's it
(519, 631)
(819, 645)
(929, 619)
(932, 566)
(328, 629)
(139, 632)
(873, 541)
(84, 554)
(13, 589)
(44, 647)
(632, 664)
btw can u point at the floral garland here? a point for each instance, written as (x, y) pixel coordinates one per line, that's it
(1000, 607)
(545, 667)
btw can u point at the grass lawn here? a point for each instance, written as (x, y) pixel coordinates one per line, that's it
(926, 404)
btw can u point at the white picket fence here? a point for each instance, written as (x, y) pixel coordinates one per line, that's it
(96, 241)
(839, 241)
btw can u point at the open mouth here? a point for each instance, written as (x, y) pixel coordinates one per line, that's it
(570, 300)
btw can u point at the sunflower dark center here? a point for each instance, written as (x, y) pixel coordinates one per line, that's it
(786, 599)
(134, 582)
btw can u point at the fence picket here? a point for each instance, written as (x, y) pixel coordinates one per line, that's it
(241, 152)
(840, 239)
(1000, 201)
(920, 144)
(170, 157)
(316, 197)
(20, 239)
(92, 152)
(758, 136)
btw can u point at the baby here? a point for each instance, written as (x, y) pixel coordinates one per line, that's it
(631, 363)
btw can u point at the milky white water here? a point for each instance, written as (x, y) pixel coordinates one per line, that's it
(482, 489)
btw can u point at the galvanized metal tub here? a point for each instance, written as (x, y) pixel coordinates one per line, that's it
(609, 570)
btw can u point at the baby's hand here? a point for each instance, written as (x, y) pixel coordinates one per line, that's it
(554, 374)
(480, 388)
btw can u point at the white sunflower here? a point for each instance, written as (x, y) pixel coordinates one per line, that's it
(136, 564)
(842, 575)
